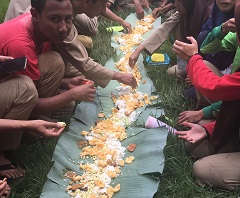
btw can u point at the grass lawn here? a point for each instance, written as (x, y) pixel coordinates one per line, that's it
(176, 180)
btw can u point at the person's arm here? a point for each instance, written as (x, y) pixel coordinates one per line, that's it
(164, 8)
(156, 39)
(73, 51)
(211, 111)
(160, 35)
(16, 8)
(84, 92)
(124, 78)
(212, 86)
(217, 88)
(139, 9)
(85, 25)
(194, 134)
(219, 39)
(209, 128)
(41, 127)
(110, 15)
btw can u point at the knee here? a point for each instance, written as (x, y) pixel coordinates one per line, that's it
(57, 65)
(29, 91)
(86, 41)
(93, 31)
(174, 71)
(201, 172)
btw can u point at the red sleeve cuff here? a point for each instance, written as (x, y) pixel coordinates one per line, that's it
(210, 127)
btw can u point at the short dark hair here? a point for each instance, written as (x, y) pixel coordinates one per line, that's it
(39, 4)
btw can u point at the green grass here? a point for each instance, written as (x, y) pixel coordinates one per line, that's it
(176, 180)
(3, 8)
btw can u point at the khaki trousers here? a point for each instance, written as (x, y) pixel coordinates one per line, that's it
(220, 165)
(17, 99)
(219, 171)
(19, 95)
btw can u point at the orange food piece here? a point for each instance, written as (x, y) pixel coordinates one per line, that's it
(131, 147)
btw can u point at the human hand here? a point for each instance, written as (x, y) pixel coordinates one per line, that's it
(128, 79)
(156, 12)
(46, 129)
(146, 4)
(127, 26)
(195, 134)
(4, 189)
(84, 92)
(134, 56)
(77, 81)
(139, 11)
(190, 116)
(229, 26)
(185, 50)
(3, 58)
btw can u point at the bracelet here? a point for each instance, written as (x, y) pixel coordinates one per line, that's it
(191, 56)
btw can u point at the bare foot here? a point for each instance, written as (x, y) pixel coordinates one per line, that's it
(9, 171)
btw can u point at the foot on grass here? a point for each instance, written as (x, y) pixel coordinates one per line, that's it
(9, 169)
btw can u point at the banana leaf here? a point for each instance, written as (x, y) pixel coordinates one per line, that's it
(139, 179)
(135, 180)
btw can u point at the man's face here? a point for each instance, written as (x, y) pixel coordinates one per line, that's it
(55, 21)
(90, 8)
(225, 5)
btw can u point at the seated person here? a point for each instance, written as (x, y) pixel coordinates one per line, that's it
(182, 23)
(87, 27)
(4, 189)
(139, 5)
(217, 143)
(222, 11)
(75, 55)
(18, 98)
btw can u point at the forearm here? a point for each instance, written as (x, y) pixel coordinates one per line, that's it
(117, 76)
(14, 125)
(211, 111)
(73, 51)
(160, 35)
(139, 49)
(110, 15)
(216, 88)
(65, 83)
(212, 43)
(51, 104)
(209, 128)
